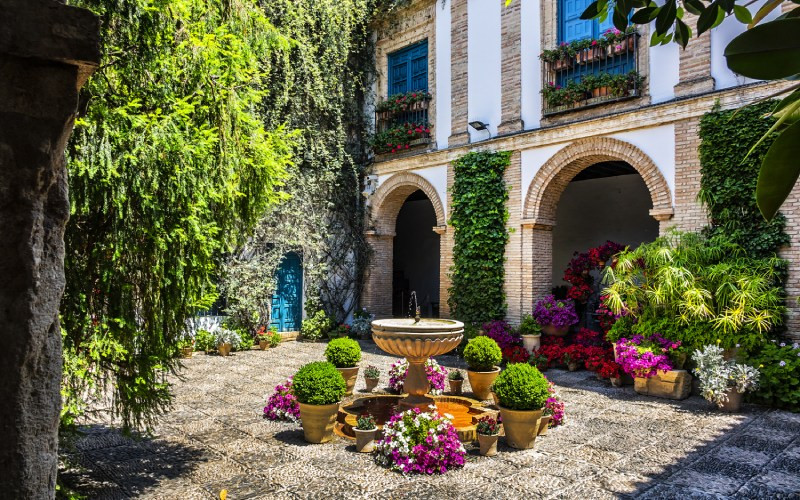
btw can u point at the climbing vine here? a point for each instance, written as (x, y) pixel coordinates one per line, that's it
(478, 217)
(729, 178)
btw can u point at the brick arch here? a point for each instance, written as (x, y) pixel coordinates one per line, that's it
(391, 194)
(550, 181)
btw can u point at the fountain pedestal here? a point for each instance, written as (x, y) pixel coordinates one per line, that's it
(417, 340)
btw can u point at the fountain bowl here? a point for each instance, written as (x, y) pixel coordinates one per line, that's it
(417, 340)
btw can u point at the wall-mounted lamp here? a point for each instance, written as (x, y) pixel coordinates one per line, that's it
(370, 184)
(479, 125)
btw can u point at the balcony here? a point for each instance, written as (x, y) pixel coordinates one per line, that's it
(401, 124)
(588, 73)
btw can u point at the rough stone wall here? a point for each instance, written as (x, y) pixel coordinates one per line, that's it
(47, 50)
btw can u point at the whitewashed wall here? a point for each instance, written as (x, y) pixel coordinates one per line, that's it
(483, 65)
(531, 40)
(441, 128)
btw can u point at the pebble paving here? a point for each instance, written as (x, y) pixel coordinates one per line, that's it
(615, 444)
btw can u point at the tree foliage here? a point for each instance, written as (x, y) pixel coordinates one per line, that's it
(479, 216)
(728, 183)
(170, 168)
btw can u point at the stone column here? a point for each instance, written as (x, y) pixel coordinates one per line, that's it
(694, 74)
(459, 135)
(47, 51)
(377, 294)
(537, 261)
(511, 53)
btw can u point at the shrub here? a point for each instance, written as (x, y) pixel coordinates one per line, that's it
(317, 326)
(482, 354)
(521, 387)
(343, 353)
(245, 341)
(362, 324)
(779, 384)
(718, 376)
(318, 383)
(205, 341)
(274, 339)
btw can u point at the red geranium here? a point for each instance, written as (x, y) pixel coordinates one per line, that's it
(515, 354)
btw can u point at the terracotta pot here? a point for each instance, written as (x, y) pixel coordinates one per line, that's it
(263, 344)
(555, 332)
(488, 444)
(573, 366)
(455, 386)
(481, 381)
(616, 381)
(186, 352)
(544, 424)
(350, 374)
(224, 349)
(531, 342)
(521, 427)
(600, 92)
(734, 402)
(365, 440)
(372, 383)
(601, 263)
(560, 64)
(318, 421)
(495, 398)
(622, 47)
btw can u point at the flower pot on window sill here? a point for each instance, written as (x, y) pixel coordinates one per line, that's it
(419, 105)
(622, 47)
(600, 92)
(591, 54)
(561, 64)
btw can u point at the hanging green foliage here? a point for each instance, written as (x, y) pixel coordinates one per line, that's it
(729, 178)
(170, 168)
(479, 216)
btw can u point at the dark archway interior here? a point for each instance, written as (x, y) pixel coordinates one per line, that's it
(415, 257)
(606, 201)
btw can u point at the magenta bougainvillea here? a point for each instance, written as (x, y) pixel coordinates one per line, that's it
(282, 405)
(417, 442)
(644, 357)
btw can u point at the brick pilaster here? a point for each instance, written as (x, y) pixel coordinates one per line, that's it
(690, 215)
(511, 53)
(513, 254)
(694, 75)
(377, 296)
(791, 209)
(459, 74)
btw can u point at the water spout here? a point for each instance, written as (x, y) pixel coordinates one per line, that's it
(416, 306)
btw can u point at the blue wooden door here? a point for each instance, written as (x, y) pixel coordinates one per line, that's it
(287, 300)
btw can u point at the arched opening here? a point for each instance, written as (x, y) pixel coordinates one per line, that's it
(415, 257)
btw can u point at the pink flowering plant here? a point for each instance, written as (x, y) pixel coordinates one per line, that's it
(559, 313)
(554, 407)
(437, 375)
(644, 357)
(417, 442)
(282, 404)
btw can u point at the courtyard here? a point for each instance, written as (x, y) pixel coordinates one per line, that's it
(614, 444)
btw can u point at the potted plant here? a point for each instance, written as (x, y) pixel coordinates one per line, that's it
(558, 59)
(225, 340)
(482, 355)
(318, 387)
(531, 333)
(274, 338)
(573, 356)
(456, 379)
(647, 360)
(539, 360)
(371, 377)
(186, 347)
(262, 335)
(365, 430)
(522, 391)
(723, 382)
(555, 316)
(488, 430)
(205, 341)
(344, 354)
(553, 412)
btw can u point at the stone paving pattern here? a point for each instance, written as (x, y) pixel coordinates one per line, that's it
(615, 444)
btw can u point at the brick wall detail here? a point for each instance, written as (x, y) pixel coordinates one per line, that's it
(511, 57)
(694, 73)
(458, 79)
(690, 215)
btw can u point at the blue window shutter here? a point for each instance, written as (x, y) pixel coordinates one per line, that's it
(408, 69)
(608, 23)
(572, 26)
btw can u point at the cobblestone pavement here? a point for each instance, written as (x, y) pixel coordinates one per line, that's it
(615, 444)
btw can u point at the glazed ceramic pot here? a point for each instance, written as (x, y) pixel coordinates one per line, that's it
(318, 421)
(263, 344)
(482, 381)
(521, 426)
(734, 402)
(531, 342)
(488, 444)
(455, 386)
(224, 349)
(555, 332)
(371, 383)
(349, 374)
(544, 424)
(365, 440)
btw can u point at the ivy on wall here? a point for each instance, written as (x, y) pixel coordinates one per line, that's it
(728, 183)
(479, 216)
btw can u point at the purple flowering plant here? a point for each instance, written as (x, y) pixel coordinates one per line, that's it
(437, 375)
(417, 442)
(552, 311)
(502, 333)
(644, 357)
(282, 404)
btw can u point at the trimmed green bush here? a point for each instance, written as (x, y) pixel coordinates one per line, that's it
(317, 326)
(521, 387)
(318, 383)
(205, 341)
(343, 352)
(482, 354)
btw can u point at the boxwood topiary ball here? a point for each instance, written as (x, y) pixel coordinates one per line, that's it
(343, 353)
(318, 383)
(482, 354)
(521, 387)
